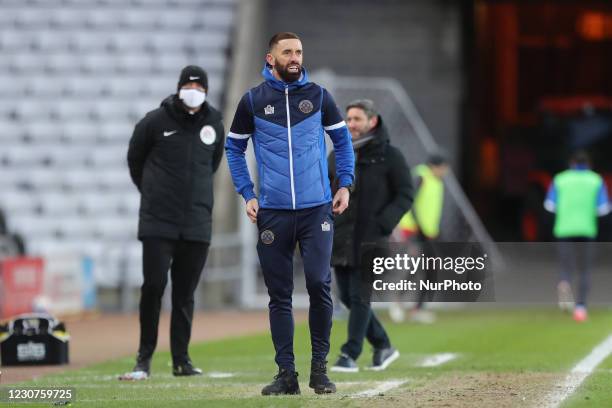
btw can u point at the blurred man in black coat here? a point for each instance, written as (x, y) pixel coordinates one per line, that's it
(381, 194)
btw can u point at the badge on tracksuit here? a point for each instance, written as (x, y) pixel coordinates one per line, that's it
(208, 135)
(267, 237)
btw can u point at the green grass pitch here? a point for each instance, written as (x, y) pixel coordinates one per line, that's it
(504, 358)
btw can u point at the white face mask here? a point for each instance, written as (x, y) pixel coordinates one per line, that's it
(193, 98)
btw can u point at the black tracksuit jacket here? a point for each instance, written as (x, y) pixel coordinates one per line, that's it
(172, 157)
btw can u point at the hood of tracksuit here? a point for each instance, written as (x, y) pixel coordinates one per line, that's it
(280, 85)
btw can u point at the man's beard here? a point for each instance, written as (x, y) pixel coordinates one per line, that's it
(287, 76)
(360, 133)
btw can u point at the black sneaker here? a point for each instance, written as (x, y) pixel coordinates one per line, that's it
(141, 371)
(319, 381)
(185, 369)
(345, 364)
(383, 357)
(285, 383)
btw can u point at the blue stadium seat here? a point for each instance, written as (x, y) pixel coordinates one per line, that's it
(116, 131)
(11, 132)
(58, 204)
(41, 86)
(20, 156)
(41, 131)
(49, 40)
(12, 40)
(66, 155)
(99, 63)
(83, 131)
(115, 178)
(83, 86)
(114, 228)
(10, 89)
(63, 63)
(126, 87)
(140, 19)
(135, 63)
(65, 18)
(18, 202)
(78, 110)
(91, 41)
(26, 18)
(34, 109)
(108, 156)
(104, 110)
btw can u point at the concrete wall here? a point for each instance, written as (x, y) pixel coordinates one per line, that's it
(416, 41)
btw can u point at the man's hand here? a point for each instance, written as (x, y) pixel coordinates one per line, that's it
(252, 207)
(341, 200)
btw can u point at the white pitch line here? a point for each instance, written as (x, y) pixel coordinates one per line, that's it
(437, 359)
(579, 373)
(382, 388)
(217, 374)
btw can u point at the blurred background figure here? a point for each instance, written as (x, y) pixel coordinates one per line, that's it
(420, 227)
(577, 196)
(381, 194)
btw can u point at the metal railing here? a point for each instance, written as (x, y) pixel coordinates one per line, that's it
(408, 131)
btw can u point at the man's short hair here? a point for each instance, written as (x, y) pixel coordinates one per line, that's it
(284, 35)
(437, 158)
(365, 105)
(581, 157)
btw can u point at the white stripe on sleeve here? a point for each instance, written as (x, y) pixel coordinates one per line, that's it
(336, 126)
(238, 135)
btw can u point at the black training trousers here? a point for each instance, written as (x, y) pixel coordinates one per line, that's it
(362, 322)
(185, 259)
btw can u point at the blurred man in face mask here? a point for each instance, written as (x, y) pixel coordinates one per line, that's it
(172, 156)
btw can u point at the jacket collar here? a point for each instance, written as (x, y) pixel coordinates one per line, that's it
(280, 85)
(378, 143)
(380, 134)
(579, 167)
(175, 108)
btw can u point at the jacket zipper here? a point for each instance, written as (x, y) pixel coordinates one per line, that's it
(189, 192)
(290, 149)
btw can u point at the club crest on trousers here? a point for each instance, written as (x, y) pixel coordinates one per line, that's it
(267, 237)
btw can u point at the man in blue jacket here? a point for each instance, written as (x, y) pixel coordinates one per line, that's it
(286, 117)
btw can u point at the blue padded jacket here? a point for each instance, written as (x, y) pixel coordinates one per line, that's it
(287, 123)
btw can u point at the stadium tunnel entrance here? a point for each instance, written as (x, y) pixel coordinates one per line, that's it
(539, 88)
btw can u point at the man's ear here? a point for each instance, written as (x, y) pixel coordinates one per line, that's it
(270, 59)
(373, 121)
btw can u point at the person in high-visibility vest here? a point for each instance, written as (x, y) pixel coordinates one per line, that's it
(422, 223)
(424, 217)
(577, 196)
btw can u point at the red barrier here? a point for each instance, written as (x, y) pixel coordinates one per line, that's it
(21, 281)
